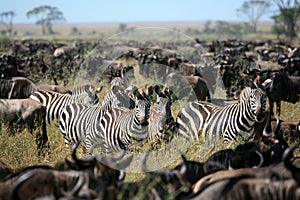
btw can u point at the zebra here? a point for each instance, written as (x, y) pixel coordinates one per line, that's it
(213, 122)
(119, 126)
(75, 118)
(56, 102)
(161, 118)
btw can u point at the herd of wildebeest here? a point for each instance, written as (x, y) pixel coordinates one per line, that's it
(261, 167)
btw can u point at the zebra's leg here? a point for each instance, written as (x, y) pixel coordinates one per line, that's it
(45, 141)
(278, 105)
(271, 109)
(67, 143)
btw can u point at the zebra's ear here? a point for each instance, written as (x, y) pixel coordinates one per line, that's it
(256, 83)
(157, 90)
(115, 89)
(171, 95)
(132, 96)
(150, 90)
(99, 89)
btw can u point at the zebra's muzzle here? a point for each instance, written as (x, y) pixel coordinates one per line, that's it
(145, 123)
(143, 120)
(260, 116)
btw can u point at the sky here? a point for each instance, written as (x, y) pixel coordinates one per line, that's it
(78, 11)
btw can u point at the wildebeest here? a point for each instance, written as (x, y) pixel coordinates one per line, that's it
(280, 88)
(76, 47)
(157, 184)
(21, 87)
(89, 178)
(191, 87)
(21, 113)
(265, 151)
(4, 170)
(279, 181)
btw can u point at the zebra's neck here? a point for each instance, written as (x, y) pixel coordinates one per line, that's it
(245, 109)
(135, 129)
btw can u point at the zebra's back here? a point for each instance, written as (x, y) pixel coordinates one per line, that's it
(213, 122)
(56, 102)
(109, 132)
(191, 118)
(119, 126)
(75, 119)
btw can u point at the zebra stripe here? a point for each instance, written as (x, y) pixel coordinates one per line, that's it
(213, 122)
(75, 118)
(118, 126)
(56, 102)
(161, 117)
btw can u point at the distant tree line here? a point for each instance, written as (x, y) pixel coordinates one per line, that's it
(45, 16)
(286, 19)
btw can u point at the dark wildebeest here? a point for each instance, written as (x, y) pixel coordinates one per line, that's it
(280, 87)
(21, 88)
(21, 113)
(189, 86)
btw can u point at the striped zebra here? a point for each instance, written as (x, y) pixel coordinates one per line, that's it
(161, 118)
(119, 126)
(56, 102)
(213, 122)
(75, 118)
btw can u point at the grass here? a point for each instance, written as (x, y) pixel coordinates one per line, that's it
(20, 150)
(94, 31)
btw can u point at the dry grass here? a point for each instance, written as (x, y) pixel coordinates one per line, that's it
(20, 150)
(94, 31)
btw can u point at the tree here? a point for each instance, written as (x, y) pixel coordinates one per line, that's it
(46, 16)
(122, 27)
(287, 21)
(254, 10)
(207, 28)
(6, 18)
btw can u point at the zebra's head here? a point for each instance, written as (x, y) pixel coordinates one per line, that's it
(257, 101)
(164, 103)
(141, 109)
(120, 97)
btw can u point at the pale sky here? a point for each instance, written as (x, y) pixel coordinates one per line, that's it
(133, 10)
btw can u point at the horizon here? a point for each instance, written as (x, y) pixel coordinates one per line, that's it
(133, 11)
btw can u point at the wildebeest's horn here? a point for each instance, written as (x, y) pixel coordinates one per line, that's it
(277, 126)
(80, 162)
(287, 155)
(183, 158)
(265, 133)
(183, 168)
(122, 175)
(120, 156)
(125, 163)
(261, 157)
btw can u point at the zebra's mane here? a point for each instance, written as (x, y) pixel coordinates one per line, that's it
(245, 93)
(83, 88)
